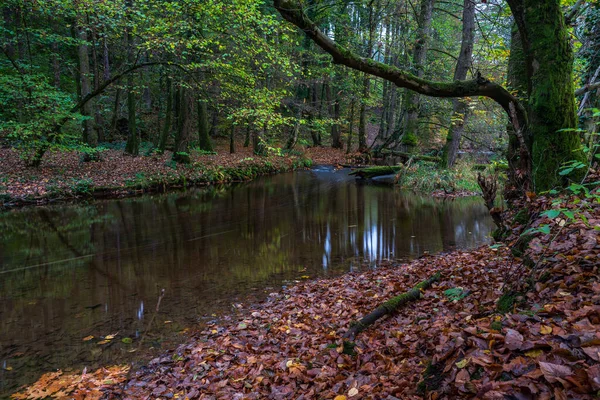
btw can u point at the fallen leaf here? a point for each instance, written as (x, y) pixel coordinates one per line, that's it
(352, 392)
(87, 338)
(513, 339)
(545, 329)
(592, 352)
(534, 353)
(554, 372)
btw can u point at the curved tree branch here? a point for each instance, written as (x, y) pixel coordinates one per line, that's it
(291, 11)
(117, 77)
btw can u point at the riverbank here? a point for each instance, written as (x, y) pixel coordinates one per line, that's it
(520, 318)
(64, 176)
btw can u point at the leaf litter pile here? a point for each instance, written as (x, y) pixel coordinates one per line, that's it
(489, 328)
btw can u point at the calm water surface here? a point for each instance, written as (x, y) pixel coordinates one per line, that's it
(73, 271)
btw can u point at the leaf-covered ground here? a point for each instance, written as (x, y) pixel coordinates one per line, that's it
(63, 174)
(452, 343)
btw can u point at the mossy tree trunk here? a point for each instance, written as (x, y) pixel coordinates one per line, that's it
(518, 83)
(551, 105)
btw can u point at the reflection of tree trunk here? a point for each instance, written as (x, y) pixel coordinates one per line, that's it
(360, 217)
(446, 218)
(65, 241)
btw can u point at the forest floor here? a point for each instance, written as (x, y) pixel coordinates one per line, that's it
(63, 175)
(518, 319)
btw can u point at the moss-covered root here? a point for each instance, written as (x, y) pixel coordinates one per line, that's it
(372, 172)
(390, 306)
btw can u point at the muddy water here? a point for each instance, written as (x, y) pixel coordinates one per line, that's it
(74, 271)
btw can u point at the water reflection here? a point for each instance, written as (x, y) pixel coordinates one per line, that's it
(68, 272)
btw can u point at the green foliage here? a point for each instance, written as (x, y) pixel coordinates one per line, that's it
(496, 325)
(456, 294)
(82, 187)
(410, 139)
(30, 111)
(506, 302)
(89, 154)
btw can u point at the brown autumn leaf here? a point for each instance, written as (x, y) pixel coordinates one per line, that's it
(593, 352)
(555, 372)
(513, 339)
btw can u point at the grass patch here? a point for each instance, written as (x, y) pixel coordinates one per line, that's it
(506, 302)
(427, 176)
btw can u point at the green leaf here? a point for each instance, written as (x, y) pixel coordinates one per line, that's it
(551, 213)
(544, 229)
(566, 171)
(569, 214)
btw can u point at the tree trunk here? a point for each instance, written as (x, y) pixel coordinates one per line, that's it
(293, 139)
(180, 151)
(98, 120)
(460, 106)
(362, 124)
(164, 135)
(549, 56)
(258, 141)
(336, 140)
(351, 125)
(203, 136)
(517, 81)
(132, 146)
(232, 139)
(248, 132)
(84, 79)
(412, 99)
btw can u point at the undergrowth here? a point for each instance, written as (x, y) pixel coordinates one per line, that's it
(427, 176)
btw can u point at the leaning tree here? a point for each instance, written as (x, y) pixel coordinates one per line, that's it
(543, 121)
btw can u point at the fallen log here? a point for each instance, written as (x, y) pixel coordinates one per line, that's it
(371, 172)
(406, 156)
(389, 307)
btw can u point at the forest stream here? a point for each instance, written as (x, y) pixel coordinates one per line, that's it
(79, 283)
